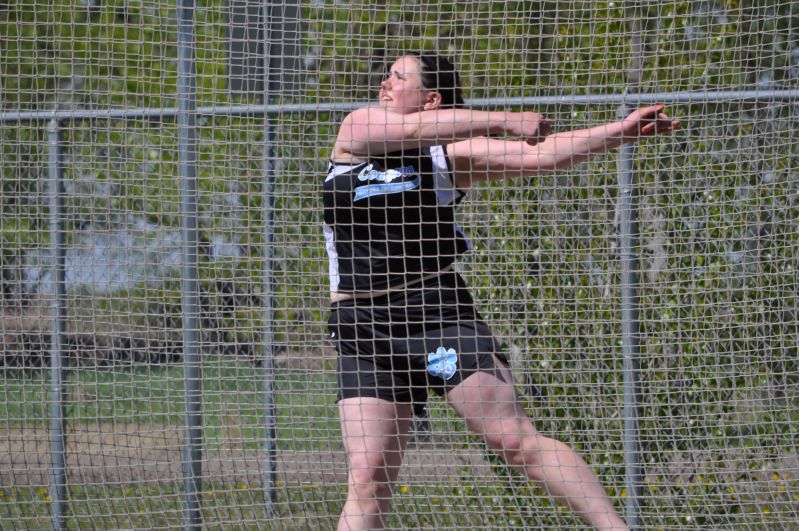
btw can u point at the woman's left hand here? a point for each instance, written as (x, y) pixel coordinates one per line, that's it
(648, 121)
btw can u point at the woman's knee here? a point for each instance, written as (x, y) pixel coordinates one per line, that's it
(370, 480)
(521, 449)
(506, 443)
(366, 485)
(508, 435)
(531, 454)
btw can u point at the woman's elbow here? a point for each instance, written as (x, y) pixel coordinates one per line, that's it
(563, 163)
(542, 165)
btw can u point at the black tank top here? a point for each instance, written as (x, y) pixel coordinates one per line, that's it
(390, 220)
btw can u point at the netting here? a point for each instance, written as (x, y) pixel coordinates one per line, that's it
(717, 205)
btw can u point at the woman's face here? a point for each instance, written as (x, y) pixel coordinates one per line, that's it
(402, 90)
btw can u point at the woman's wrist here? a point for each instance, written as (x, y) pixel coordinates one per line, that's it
(628, 132)
(493, 123)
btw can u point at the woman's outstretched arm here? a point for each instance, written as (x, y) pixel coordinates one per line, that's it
(376, 130)
(480, 159)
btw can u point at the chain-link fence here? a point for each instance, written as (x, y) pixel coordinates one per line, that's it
(164, 275)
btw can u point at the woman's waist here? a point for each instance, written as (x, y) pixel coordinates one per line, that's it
(339, 296)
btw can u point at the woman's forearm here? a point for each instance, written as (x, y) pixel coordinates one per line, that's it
(374, 130)
(572, 147)
(450, 125)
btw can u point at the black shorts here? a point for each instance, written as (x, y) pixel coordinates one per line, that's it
(400, 345)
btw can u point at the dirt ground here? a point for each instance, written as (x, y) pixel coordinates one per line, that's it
(123, 453)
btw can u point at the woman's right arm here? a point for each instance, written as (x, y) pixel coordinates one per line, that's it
(375, 131)
(480, 159)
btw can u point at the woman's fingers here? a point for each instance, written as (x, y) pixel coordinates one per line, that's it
(654, 121)
(651, 112)
(662, 124)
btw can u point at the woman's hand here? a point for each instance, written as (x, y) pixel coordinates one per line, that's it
(647, 121)
(530, 127)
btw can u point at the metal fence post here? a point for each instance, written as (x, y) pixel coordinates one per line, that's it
(58, 486)
(187, 173)
(270, 409)
(628, 245)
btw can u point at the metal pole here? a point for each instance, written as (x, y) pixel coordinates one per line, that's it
(162, 113)
(628, 249)
(628, 245)
(187, 173)
(58, 486)
(270, 411)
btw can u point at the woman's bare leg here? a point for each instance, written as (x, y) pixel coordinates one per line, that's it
(375, 432)
(491, 409)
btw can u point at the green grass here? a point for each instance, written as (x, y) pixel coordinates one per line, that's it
(460, 504)
(300, 506)
(232, 398)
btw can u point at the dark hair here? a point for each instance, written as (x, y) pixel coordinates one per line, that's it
(439, 74)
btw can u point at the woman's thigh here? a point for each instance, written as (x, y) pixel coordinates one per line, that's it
(375, 432)
(487, 400)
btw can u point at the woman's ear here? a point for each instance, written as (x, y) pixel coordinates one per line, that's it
(432, 100)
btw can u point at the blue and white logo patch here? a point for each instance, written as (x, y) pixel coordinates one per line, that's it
(385, 178)
(442, 363)
(370, 174)
(362, 192)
